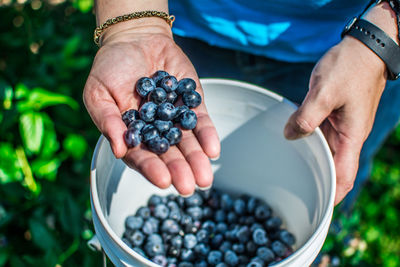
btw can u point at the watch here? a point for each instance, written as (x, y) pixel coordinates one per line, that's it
(378, 41)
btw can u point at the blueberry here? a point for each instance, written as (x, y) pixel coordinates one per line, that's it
(173, 251)
(286, 237)
(243, 260)
(161, 211)
(201, 263)
(148, 111)
(191, 99)
(154, 200)
(143, 212)
(144, 86)
(188, 120)
(219, 216)
(225, 246)
(278, 248)
(260, 237)
(239, 206)
(208, 213)
(158, 145)
(169, 83)
(231, 217)
(186, 220)
(185, 85)
(172, 97)
(166, 111)
(209, 226)
(195, 212)
(173, 135)
(217, 240)
(251, 247)
(139, 251)
(202, 236)
(265, 254)
(194, 200)
(251, 204)
(222, 264)
(262, 212)
(249, 220)
(137, 124)
(226, 202)
(137, 238)
(130, 116)
(133, 222)
(231, 258)
(185, 264)
(126, 241)
(133, 137)
(214, 257)
(160, 260)
(152, 249)
(187, 255)
(202, 249)
(189, 241)
(254, 226)
(177, 241)
(221, 227)
(243, 234)
(175, 214)
(162, 126)
(158, 76)
(149, 132)
(273, 223)
(170, 226)
(238, 248)
(255, 262)
(179, 111)
(157, 96)
(150, 226)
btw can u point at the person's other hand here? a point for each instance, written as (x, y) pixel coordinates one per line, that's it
(344, 92)
(127, 54)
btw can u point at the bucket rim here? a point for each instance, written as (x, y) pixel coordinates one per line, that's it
(327, 214)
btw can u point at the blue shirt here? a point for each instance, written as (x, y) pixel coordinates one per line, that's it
(294, 31)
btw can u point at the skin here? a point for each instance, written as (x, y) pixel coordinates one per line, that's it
(344, 92)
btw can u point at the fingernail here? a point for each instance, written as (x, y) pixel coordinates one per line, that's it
(216, 158)
(205, 188)
(185, 196)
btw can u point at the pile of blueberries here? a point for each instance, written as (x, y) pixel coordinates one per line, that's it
(209, 228)
(153, 123)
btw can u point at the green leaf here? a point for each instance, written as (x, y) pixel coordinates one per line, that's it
(70, 216)
(71, 46)
(50, 143)
(41, 235)
(45, 168)
(75, 145)
(21, 91)
(4, 254)
(6, 95)
(40, 98)
(31, 129)
(10, 169)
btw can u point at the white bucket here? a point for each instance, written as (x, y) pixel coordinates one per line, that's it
(296, 178)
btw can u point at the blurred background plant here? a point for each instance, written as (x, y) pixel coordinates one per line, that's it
(47, 139)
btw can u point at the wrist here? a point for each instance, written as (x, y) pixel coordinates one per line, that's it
(383, 17)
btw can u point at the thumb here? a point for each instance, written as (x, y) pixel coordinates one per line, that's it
(313, 111)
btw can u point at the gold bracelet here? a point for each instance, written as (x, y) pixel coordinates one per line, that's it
(135, 15)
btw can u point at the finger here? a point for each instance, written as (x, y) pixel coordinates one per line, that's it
(181, 173)
(197, 159)
(149, 165)
(207, 135)
(313, 111)
(105, 114)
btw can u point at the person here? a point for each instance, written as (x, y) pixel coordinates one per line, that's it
(291, 47)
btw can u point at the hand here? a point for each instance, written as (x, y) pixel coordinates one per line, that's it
(127, 54)
(344, 92)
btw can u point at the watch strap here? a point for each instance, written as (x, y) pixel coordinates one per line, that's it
(379, 42)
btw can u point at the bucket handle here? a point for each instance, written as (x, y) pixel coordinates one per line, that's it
(94, 244)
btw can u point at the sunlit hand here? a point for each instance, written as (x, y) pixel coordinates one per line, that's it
(344, 92)
(125, 56)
